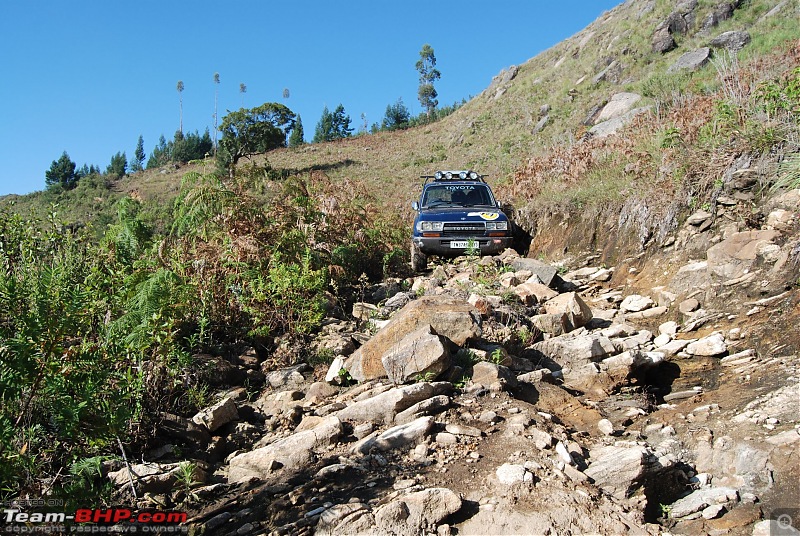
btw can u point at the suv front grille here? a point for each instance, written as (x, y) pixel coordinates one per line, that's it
(464, 228)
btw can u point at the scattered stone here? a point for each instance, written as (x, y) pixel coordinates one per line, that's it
(547, 274)
(384, 407)
(710, 346)
(618, 469)
(635, 303)
(701, 499)
(572, 305)
(605, 426)
(509, 474)
(218, 415)
(397, 437)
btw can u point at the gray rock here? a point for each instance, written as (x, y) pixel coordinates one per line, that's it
(488, 374)
(430, 406)
(552, 324)
(509, 474)
(449, 317)
(540, 438)
(688, 306)
(383, 408)
(698, 218)
(541, 124)
(152, 477)
(418, 354)
(218, 415)
(620, 104)
(734, 256)
(618, 470)
(349, 518)
(290, 453)
(532, 293)
(636, 302)
(288, 377)
(572, 305)
(701, 499)
(689, 277)
(411, 514)
(663, 41)
(733, 40)
(691, 61)
(710, 346)
(610, 127)
(605, 426)
(576, 350)
(547, 274)
(397, 437)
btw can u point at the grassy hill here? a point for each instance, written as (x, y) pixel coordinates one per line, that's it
(496, 132)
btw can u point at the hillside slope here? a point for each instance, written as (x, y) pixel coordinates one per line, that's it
(541, 110)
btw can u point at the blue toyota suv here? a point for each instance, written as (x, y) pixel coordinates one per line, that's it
(457, 214)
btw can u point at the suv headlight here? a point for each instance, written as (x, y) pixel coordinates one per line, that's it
(496, 225)
(425, 226)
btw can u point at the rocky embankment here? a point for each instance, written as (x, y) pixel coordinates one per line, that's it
(506, 395)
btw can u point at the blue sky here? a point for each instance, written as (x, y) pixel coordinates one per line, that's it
(89, 77)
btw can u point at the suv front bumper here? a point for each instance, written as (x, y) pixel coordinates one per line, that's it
(441, 246)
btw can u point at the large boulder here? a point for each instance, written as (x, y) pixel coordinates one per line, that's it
(449, 317)
(154, 477)
(607, 128)
(690, 277)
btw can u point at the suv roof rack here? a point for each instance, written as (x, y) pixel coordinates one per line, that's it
(454, 175)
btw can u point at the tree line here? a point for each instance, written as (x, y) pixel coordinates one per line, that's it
(246, 132)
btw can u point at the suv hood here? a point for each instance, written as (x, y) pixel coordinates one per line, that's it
(467, 213)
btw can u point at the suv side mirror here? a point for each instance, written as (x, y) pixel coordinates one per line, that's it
(415, 205)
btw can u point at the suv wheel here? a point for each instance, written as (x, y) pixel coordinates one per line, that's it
(419, 261)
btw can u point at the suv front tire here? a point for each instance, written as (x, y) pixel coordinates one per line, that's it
(419, 261)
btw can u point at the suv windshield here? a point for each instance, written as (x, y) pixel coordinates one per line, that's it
(457, 195)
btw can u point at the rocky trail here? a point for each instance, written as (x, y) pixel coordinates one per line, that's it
(506, 395)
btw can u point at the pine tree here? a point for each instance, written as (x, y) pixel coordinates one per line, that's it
(296, 138)
(333, 126)
(61, 173)
(118, 166)
(324, 127)
(138, 156)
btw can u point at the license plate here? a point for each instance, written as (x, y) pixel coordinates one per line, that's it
(458, 244)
